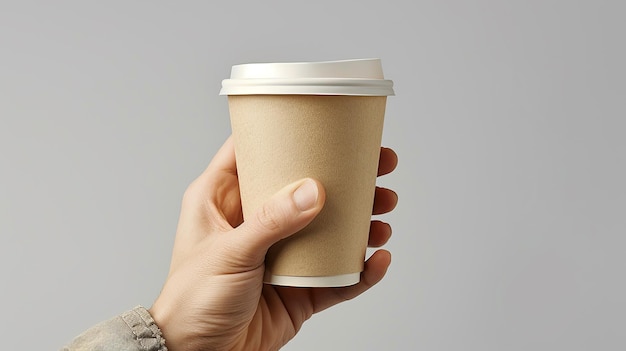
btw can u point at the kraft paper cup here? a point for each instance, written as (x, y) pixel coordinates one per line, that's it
(312, 119)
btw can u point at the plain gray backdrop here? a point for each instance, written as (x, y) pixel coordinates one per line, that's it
(509, 121)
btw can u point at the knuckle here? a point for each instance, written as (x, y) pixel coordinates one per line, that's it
(190, 196)
(268, 218)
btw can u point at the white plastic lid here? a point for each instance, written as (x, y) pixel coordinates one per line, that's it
(347, 77)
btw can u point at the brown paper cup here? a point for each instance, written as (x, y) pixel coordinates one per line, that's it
(281, 138)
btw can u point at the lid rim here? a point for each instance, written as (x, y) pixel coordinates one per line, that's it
(364, 68)
(345, 77)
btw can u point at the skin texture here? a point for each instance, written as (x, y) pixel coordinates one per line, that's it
(214, 297)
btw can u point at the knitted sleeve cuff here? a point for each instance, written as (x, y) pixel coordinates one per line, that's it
(147, 333)
(134, 330)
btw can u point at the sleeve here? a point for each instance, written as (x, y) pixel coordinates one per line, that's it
(134, 330)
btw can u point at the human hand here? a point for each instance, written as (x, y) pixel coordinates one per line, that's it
(214, 297)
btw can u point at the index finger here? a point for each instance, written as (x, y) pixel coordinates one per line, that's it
(224, 159)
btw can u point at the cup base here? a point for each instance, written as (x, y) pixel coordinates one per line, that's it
(313, 282)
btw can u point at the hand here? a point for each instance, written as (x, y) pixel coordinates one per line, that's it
(214, 297)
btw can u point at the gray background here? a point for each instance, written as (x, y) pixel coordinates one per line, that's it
(508, 119)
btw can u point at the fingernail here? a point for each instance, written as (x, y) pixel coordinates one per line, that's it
(305, 196)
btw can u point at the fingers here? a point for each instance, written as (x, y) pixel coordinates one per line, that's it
(375, 269)
(224, 159)
(212, 199)
(219, 178)
(288, 211)
(380, 232)
(385, 200)
(387, 162)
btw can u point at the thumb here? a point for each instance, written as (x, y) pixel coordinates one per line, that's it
(288, 211)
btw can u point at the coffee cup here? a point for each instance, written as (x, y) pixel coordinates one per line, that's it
(322, 120)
